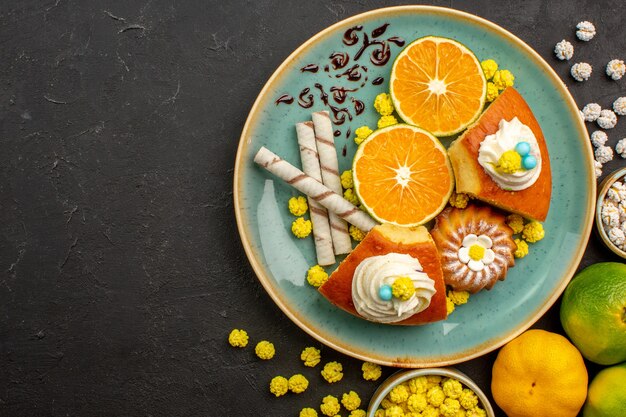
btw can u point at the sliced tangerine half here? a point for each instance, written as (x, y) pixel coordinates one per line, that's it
(438, 84)
(402, 175)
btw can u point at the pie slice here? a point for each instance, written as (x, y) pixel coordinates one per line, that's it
(471, 178)
(385, 239)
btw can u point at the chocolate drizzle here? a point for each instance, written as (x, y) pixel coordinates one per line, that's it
(353, 73)
(310, 68)
(323, 95)
(359, 106)
(340, 93)
(337, 133)
(305, 101)
(285, 98)
(379, 30)
(339, 59)
(347, 79)
(350, 37)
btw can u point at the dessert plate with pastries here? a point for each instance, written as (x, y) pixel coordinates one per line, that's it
(414, 186)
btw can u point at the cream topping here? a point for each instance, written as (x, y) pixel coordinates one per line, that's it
(376, 271)
(509, 134)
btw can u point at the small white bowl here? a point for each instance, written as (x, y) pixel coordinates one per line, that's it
(602, 190)
(403, 376)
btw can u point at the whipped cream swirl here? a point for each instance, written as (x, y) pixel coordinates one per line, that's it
(493, 146)
(376, 271)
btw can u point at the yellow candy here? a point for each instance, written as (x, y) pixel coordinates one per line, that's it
(265, 350)
(279, 386)
(383, 104)
(522, 248)
(361, 134)
(503, 79)
(238, 338)
(316, 276)
(403, 288)
(489, 67)
(510, 162)
(301, 228)
(298, 205)
(385, 121)
(533, 232)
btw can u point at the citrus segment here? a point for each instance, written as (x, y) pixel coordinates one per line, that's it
(402, 175)
(438, 85)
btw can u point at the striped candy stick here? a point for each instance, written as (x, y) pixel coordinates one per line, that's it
(325, 142)
(319, 215)
(309, 186)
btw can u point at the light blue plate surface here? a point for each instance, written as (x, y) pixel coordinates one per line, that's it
(491, 318)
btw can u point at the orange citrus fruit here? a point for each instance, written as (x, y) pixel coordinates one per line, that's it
(438, 84)
(539, 373)
(402, 175)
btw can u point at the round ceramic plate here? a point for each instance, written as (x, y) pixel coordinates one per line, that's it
(491, 318)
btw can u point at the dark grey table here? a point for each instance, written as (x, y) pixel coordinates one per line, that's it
(122, 269)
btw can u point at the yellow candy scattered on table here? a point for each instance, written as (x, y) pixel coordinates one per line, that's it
(533, 232)
(265, 350)
(330, 406)
(492, 92)
(332, 372)
(298, 205)
(310, 355)
(361, 134)
(385, 121)
(358, 413)
(515, 222)
(379, 413)
(459, 200)
(346, 179)
(489, 67)
(356, 233)
(458, 297)
(316, 276)
(383, 104)
(308, 412)
(371, 371)
(351, 401)
(350, 195)
(522, 248)
(298, 383)
(503, 79)
(279, 385)
(301, 228)
(238, 338)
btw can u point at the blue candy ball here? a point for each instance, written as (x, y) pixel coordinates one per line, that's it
(522, 148)
(529, 162)
(384, 292)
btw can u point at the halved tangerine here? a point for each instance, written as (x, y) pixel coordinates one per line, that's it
(438, 84)
(402, 175)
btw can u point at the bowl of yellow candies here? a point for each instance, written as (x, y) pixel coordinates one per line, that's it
(434, 392)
